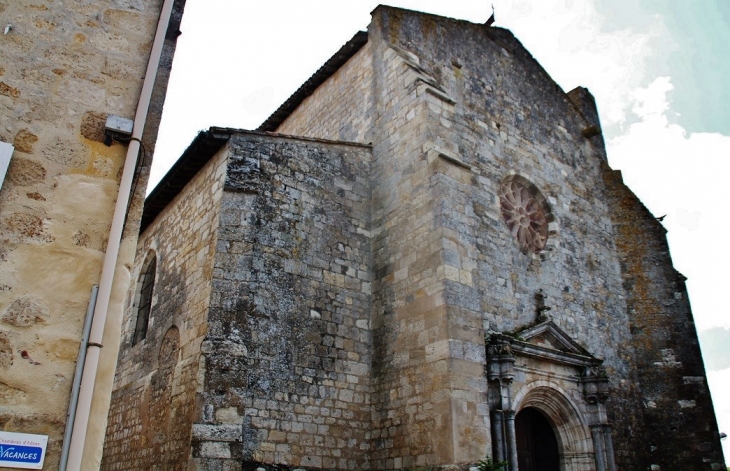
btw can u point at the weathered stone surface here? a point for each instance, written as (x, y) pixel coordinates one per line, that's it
(61, 348)
(155, 384)
(58, 198)
(7, 90)
(81, 239)
(24, 141)
(664, 337)
(36, 196)
(10, 395)
(92, 125)
(26, 172)
(265, 287)
(26, 226)
(65, 152)
(25, 312)
(220, 433)
(6, 350)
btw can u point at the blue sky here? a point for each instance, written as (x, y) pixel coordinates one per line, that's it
(658, 68)
(694, 52)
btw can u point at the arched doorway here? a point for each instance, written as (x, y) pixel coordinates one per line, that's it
(537, 446)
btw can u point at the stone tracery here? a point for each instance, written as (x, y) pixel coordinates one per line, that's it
(525, 212)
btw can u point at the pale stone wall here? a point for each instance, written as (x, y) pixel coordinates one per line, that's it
(492, 112)
(153, 403)
(63, 68)
(341, 108)
(410, 361)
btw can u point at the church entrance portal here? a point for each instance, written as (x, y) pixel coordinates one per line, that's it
(537, 447)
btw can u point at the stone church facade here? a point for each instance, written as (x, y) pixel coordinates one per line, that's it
(420, 260)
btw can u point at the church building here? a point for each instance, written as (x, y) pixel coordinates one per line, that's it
(421, 260)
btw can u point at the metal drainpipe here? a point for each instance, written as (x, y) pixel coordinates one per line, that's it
(77, 379)
(81, 419)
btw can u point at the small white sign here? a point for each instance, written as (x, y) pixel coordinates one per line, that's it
(22, 450)
(6, 151)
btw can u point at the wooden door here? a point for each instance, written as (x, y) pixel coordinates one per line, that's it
(537, 447)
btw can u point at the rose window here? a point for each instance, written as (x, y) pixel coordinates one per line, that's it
(526, 213)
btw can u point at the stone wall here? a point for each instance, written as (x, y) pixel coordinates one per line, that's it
(153, 404)
(287, 356)
(339, 109)
(680, 430)
(63, 68)
(456, 108)
(494, 112)
(411, 398)
(500, 114)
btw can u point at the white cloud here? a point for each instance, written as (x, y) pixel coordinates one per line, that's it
(569, 39)
(689, 220)
(719, 382)
(651, 102)
(682, 175)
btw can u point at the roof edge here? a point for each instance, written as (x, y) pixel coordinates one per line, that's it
(333, 64)
(205, 145)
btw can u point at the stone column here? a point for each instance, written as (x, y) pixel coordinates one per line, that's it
(500, 371)
(608, 439)
(509, 416)
(597, 434)
(498, 435)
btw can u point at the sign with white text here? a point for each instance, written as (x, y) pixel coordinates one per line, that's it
(22, 450)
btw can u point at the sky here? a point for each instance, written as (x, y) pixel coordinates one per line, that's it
(658, 69)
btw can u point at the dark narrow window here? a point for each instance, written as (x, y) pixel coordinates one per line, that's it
(145, 285)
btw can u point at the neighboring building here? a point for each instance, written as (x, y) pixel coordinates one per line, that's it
(64, 68)
(441, 267)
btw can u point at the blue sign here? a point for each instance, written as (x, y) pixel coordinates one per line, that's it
(22, 450)
(21, 454)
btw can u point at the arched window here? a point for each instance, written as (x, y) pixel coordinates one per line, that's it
(145, 287)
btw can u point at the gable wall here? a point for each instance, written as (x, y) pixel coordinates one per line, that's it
(509, 117)
(500, 113)
(446, 268)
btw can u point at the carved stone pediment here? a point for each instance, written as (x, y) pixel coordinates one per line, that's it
(549, 342)
(551, 336)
